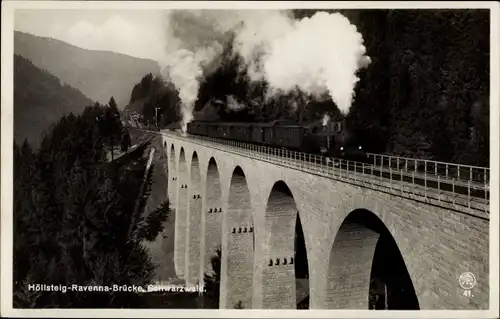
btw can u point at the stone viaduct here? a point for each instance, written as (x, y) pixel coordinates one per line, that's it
(249, 207)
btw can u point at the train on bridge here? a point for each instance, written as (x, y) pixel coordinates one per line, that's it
(328, 139)
(333, 143)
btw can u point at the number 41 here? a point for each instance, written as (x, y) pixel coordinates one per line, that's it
(467, 293)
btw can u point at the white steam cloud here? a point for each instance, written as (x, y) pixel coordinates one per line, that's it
(325, 120)
(194, 39)
(233, 104)
(319, 55)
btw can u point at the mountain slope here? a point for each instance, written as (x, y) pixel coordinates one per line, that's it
(40, 100)
(97, 74)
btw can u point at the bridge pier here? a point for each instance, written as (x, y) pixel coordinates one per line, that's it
(211, 221)
(193, 237)
(172, 184)
(181, 218)
(260, 260)
(238, 247)
(193, 226)
(279, 277)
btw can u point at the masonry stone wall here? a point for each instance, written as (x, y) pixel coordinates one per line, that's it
(172, 183)
(211, 219)
(181, 215)
(348, 278)
(172, 179)
(240, 246)
(279, 273)
(437, 243)
(193, 226)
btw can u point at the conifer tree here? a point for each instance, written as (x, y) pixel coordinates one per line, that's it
(212, 281)
(72, 215)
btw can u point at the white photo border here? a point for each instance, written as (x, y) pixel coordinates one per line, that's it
(7, 56)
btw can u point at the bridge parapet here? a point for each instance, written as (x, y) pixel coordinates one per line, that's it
(469, 197)
(459, 172)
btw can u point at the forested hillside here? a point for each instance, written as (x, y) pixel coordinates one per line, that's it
(97, 74)
(425, 93)
(40, 100)
(77, 217)
(151, 92)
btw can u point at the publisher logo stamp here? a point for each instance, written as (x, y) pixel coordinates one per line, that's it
(467, 280)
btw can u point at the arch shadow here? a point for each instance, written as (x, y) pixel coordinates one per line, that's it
(286, 252)
(366, 269)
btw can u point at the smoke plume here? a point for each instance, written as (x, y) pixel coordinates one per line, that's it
(325, 120)
(319, 56)
(194, 40)
(233, 104)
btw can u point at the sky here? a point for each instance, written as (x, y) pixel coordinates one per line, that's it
(318, 55)
(137, 33)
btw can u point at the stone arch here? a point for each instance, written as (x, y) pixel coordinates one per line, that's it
(193, 227)
(212, 221)
(237, 252)
(364, 255)
(280, 278)
(181, 216)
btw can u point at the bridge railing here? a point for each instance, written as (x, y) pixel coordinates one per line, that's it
(475, 174)
(400, 180)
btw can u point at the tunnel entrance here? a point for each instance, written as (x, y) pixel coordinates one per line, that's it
(301, 267)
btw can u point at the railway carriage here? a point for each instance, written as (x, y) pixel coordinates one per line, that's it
(241, 132)
(212, 130)
(198, 128)
(328, 140)
(288, 135)
(225, 130)
(257, 133)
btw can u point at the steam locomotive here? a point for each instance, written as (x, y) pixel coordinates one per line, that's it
(331, 140)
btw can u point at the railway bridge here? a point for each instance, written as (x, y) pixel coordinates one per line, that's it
(295, 226)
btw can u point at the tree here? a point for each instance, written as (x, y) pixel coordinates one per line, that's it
(112, 125)
(72, 215)
(126, 141)
(212, 281)
(152, 92)
(239, 305)
(150, 226)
